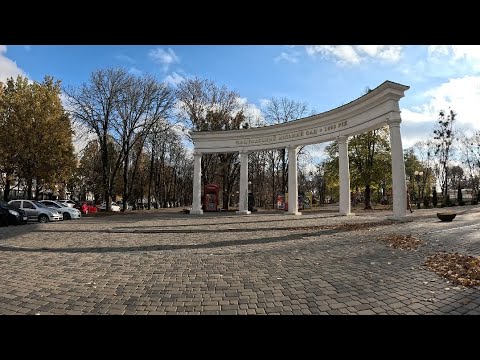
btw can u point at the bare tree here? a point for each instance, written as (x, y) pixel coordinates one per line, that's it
(470, 155)
(209, 107)
(94, 104)
(282, 110)
(120, 107)
(142, 103)
(444, 137)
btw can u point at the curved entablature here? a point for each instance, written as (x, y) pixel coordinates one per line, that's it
(368, 112)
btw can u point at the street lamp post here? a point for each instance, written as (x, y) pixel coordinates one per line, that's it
(418, 175)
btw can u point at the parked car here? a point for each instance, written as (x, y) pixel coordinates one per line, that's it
(36, 211)
(69, 203)
(3, 217)
(86, 207)
(113, 207)
(12, 215)
(68, 212)
(129, 206)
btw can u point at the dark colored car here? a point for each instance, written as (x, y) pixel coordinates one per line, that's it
(3, 217)
(12, 215)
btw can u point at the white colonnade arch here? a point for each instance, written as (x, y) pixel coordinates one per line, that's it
(373, 110)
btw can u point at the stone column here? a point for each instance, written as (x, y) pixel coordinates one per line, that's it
(399, 188)
(197, 184)
(344, 173)
(243, 195)
(292, 182)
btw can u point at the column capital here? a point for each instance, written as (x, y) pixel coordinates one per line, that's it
(394, 120)
(197, 153)
(292, 147)
(243, 152)
(342, 138)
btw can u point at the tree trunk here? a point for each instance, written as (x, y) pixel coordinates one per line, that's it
(150, 178)
(368, 203)
(446, 183)
(125, 183)
(284, 169)
(106, 174)
(37, 191)
(29, 189)
(273, 185)
(6, 191)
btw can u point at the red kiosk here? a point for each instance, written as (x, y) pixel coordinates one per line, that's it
(210, 198)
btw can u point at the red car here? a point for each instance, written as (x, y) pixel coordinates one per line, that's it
(87, 208)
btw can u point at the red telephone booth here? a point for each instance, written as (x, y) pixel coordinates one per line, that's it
(210, 198)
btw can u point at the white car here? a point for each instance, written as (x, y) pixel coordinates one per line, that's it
(113, 207)
(69, 203)
(67, 211)
(37, 211)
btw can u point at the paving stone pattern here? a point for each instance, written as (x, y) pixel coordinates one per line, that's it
(264, 263)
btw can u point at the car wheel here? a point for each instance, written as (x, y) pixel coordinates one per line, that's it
(43, 219)
(66, 216)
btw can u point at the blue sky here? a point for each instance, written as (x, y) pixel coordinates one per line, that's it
(323, 76)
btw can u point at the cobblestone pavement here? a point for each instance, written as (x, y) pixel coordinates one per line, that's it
(263, 263)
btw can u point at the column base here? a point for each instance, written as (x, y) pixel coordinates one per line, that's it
(293, 213)
(196, 212)
(348, 214)
(243, 212)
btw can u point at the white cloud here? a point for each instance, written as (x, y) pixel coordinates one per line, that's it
(287, 57)
(390, 53)
(164, 57)
(8, 68)
(345, 54)
(252, 112)
(461, 95)
(409, 141)
(420, 114)
(444, 61)
(470, 53)
(174, 79)
(264, 103)
(82, 136)
(355, 54)
(255, 115)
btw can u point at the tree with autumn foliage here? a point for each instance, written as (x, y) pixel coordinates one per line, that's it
(37, 133)
(369, 159)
